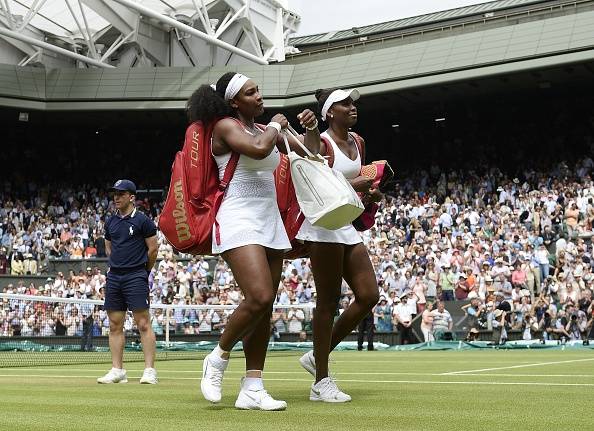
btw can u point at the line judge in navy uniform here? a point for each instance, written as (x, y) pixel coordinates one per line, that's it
(131, 244)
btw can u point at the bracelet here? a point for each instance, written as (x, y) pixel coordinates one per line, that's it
(274, 125)
(314, 127)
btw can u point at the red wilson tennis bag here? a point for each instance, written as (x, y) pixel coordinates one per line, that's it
(289, 207)
(195, 193)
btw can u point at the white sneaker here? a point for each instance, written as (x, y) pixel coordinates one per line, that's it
(257, 400)
(308, 361)
(114, 375)
(149, 377)
(212, 380)
(327, 391)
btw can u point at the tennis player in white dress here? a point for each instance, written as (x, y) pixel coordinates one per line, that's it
(338, 254)
(252, 237)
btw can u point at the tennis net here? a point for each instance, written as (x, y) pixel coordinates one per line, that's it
(41, 330)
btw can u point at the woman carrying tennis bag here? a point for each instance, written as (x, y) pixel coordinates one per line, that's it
(246, 229)
(340, 253)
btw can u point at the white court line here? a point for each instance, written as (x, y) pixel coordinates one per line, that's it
(198, 372)
(516, 375)
(340, 373)
(422, 382)
(516, 366)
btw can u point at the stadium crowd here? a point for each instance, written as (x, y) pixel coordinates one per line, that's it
(518, 247)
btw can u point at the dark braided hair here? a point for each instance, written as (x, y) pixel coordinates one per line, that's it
(206, 104)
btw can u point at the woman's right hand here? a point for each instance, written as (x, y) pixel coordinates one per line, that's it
(280, 119)
(361, 184)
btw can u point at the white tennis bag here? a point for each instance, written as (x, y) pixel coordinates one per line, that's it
(325, 196)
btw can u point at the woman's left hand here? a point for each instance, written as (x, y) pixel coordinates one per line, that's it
(373, 195)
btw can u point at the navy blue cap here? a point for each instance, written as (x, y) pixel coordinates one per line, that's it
(125, 186)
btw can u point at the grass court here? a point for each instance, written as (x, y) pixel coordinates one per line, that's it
(427, 390)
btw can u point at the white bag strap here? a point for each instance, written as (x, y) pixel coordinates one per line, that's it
(286, 143)
(291, 133)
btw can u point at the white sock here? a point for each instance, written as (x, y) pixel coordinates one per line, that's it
(216, 357)
(253, 383)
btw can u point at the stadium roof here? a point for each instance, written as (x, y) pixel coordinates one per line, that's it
(558, 38)
(398, 24)
(56, 16)
(126, 33)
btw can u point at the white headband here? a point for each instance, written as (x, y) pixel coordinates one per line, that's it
(337, 96)
(235, 85)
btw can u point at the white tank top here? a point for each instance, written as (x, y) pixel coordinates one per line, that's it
(349, 168)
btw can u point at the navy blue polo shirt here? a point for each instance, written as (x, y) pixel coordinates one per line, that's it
(127, 235)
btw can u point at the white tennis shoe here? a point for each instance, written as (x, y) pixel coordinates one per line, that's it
(308, 362)
(115, 375)
(149, 377)
(212, 379)
(257, 400)
(327, 391)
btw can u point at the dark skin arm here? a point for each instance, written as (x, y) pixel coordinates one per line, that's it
(374, 195)
(230, 136)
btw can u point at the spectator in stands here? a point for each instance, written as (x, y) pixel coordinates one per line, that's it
(427, 323)
(542, 258)
(402, 319)
(383, 315)
(519, 277)
(462, 288)
(474, 312)
(442, 322)
(87, 331)
(447, 283)
(295, 318)
(3, 261)
(365, 329)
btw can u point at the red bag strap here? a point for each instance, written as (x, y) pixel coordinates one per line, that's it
(224, 183)
(283, 166)
(231, 165)
(360, 146)
(229, 171)
(328, 149)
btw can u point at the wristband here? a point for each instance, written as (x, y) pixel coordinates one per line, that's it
(274, 125)
(315, 126)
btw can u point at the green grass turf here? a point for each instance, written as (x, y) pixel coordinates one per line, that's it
(390, 390)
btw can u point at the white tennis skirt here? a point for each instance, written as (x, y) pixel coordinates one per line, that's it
(347, 235)
(249, 215)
